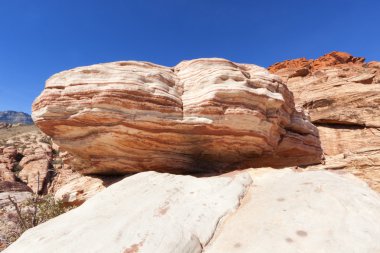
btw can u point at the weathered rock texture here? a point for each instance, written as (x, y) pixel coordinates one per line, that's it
(28, 159)
(345, 91)
(288, 211)
(71, 187)
(341, 94)
(19, 193)
(201, 115)
(31, 163)
(78, 190)
(282, 211)
(7, 162)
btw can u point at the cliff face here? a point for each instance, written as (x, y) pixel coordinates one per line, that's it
(12, 117)
(341, 94)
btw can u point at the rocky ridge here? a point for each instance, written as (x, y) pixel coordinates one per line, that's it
(341, 95)
(12, 117)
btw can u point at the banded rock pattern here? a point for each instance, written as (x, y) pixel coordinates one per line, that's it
(201, 115)
(341, 94)
(344, 91)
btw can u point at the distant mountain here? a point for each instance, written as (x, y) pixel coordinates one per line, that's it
(13, 117)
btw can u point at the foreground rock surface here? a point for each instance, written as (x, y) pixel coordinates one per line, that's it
(261, 210)
(188, 209)
(201, 115)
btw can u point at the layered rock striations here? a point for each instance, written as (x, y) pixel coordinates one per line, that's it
(201, 115)
(345, 91)
(341, 94)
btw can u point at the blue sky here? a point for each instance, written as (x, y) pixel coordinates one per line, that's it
(39, 38)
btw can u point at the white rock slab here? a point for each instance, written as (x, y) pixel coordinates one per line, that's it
(280, 211)
(17, 196)
(147, 212)
(312, 212)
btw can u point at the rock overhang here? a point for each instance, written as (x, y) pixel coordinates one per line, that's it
(201, 114)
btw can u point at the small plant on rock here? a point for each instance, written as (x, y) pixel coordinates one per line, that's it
(33, 212)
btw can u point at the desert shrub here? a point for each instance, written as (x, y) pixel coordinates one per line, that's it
(45, 139)
(31, 213)
(21, 148)
(16, 168)
(57, 161)
(55, 152)
(41, 209)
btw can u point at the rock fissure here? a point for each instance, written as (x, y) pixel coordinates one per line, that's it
(225, 216)
(340, 125)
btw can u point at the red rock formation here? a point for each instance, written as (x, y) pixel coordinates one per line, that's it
(302, 66)
(27, 158)
(7, 162)
(341, 94)
(35, 169)
(201, 115)
(296, 67)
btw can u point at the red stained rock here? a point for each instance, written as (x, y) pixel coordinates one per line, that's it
(201, 115)
(341, 94)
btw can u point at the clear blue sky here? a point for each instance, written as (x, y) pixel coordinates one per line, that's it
(39, 38)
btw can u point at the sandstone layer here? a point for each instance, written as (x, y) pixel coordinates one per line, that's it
(345, 91)
(341, 94)
(201, 115)
(259, 211)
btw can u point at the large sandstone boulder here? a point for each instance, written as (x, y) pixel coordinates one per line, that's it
(201, 115)
(341, 94)
(259, 211)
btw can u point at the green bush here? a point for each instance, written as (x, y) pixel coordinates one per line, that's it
(33, 212)
(45, 208)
